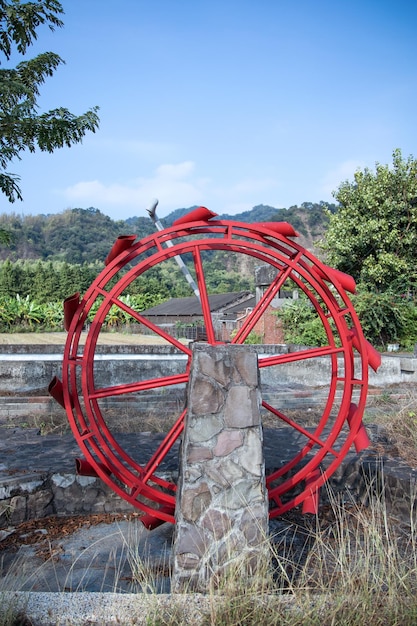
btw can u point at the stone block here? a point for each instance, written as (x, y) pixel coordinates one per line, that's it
(222, 503)
(40, 504)
(18, 510)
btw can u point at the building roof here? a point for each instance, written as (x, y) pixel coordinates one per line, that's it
(191, 306)
(241, 307)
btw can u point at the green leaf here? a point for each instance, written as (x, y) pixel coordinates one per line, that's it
(22, 127)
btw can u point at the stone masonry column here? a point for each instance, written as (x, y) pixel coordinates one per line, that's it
(222, 504)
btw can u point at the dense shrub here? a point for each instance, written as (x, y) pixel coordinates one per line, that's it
(385, 318)
(300, 323)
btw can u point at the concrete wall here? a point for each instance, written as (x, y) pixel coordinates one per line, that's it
(26, 373)
(30, 369)
(24, 370)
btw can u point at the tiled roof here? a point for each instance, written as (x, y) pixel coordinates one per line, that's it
(191, 305)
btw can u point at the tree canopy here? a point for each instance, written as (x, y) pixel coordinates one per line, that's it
(373, 234)
(22, 126)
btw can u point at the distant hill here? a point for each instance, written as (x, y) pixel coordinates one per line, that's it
(86, 235)
(259, 213)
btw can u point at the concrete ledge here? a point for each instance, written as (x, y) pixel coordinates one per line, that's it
(10, 349)
(81, 608)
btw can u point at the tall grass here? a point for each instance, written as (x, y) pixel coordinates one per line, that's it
(360, 567)
(352, 565)
(401, 425)
(12, 611)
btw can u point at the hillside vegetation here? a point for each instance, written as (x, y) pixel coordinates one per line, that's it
(86, 235)
(54, 256)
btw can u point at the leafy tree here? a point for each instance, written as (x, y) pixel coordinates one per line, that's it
(301, 324)
(45, 282)
(80, 235)
(373, 235)
(11, 278)
(5, 237)
(386, 318)
(22, 127)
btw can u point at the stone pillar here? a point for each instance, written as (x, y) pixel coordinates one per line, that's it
(222, 504)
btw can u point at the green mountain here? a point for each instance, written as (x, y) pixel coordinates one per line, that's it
(86, 235)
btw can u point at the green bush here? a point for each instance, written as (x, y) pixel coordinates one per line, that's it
(301, 323)
(386, 318)
(408, 335)
(253, 338)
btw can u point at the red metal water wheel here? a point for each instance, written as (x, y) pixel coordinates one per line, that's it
(322, 436)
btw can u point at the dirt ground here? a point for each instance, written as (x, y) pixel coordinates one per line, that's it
(110, 339)
(28, 533)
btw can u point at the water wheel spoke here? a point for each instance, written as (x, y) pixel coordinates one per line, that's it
(301, 355)
(303, 431)
(261, 306)
(164, 447)
(204, 298)
(156, 329)
(145, 385)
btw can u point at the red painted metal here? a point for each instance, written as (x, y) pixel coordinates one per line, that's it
(322, 442)
(283, 228)
(361, 441)
(122, 243)
(311, 502)
(56, 390)
(152, 521)
(71, 305)
(84, 468)
(201, 213)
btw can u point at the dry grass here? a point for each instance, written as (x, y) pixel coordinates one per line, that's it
(396, 411)
(124, 421)
(358, 566)
(150, 422)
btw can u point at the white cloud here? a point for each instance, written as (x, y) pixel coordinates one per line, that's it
(175, 185)
(175, 172)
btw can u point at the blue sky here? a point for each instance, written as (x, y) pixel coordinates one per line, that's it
(223, 103)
